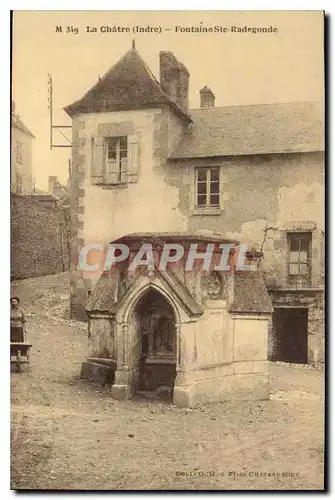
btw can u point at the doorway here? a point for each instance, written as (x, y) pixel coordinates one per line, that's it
(156, 332)
(290, 334)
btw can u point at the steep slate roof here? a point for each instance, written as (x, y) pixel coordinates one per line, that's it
(102, 297)
(18, 123)
(250, 294)
(253, 129)
(128, 85)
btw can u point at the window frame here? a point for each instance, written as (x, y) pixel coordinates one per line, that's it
(122, 173)
(300, 235)
(208, 208)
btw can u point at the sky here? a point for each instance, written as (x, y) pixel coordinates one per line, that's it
(240, 68)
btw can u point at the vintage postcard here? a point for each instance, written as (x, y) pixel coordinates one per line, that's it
(167, 250)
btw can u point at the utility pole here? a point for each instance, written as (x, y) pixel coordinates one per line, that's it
(60, 128)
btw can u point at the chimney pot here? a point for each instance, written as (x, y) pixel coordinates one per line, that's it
(207, 98)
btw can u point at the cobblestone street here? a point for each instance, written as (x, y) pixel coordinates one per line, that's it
(70, 434)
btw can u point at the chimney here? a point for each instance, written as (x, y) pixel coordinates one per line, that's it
(182, 89)
(51, 183)
(174, 78)
(168, 69)
(207, 98)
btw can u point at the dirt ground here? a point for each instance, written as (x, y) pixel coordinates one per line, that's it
(69, 434)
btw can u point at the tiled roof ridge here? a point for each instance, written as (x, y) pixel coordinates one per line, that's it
(285, 127)
(257, 104)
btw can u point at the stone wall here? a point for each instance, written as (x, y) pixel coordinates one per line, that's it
(38, 239)
(316, 335)
(263, 197)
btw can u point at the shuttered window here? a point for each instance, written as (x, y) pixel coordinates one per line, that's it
(115, 160)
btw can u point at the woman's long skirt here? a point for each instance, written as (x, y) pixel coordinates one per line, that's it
(16, 334)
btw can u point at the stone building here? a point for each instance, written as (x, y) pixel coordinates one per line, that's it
(21, 156)
(143, 162)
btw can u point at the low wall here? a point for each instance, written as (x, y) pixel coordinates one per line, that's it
(38, 238)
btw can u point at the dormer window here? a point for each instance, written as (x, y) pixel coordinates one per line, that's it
(116, 160)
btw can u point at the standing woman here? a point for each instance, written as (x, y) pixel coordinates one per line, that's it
(17, 321)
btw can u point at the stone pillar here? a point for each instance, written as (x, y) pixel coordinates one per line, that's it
(183, 389)
(178, 344)
(121, 388)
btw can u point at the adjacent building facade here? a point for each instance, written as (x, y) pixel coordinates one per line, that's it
(39, 223)
(143, 162)
(21, 156)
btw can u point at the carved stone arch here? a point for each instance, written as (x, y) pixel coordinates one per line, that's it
(138, 294)
(131, 369)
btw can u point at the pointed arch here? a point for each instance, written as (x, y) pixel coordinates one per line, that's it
(141, 292)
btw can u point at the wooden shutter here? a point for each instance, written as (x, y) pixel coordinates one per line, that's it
(133, 157)
(112, 172)
(98, 160)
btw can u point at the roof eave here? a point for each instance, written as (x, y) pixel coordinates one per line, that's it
(180, 111)
(244, 153)
(77, 108)
(23, 129)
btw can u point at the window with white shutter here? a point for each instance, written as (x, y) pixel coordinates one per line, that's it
(98, 160)
(133, 157)
(115, 160)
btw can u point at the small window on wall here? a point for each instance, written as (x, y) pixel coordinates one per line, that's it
(299, 254)
(207, 182)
